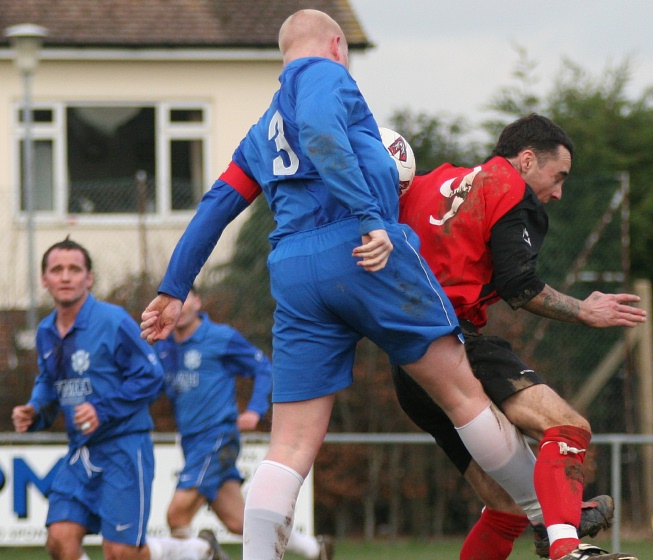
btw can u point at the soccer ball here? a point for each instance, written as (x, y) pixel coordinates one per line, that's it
(403, 156)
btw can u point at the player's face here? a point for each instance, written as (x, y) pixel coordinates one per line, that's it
(547, 180)
(66, 277)
(189, 310)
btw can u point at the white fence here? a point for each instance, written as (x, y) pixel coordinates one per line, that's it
(254, 446)
(27, 463)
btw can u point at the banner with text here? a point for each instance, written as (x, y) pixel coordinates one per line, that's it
(26, 472)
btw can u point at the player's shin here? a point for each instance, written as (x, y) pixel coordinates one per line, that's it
(269, 510)
(493, 536)
(559, 481)
(502, 452)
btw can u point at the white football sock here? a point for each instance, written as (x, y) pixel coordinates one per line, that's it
(502, 452)
(169, 548)
(304, 545)
(84, 557)
(155, 547)
(269, 510)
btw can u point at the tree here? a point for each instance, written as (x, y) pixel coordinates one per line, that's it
(437, 139)
(610, 131)
(516, 99)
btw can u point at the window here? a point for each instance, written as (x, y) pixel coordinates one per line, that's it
(186, 172)
(42, 159)
(117, 159)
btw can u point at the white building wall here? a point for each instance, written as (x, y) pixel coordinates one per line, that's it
(237, 92)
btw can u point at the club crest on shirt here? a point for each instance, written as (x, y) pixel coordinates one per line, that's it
(455, 191)
(192, 359)
(80, 361)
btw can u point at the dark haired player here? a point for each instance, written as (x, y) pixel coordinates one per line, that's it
(481, 230)
(96, 370)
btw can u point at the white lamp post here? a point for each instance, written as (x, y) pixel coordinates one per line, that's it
(26, 40)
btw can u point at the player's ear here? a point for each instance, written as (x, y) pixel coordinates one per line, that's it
(335, 48)
(528, 159)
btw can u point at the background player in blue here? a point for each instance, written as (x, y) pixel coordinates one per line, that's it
(318, 157)
(201, 360)
(95, 369)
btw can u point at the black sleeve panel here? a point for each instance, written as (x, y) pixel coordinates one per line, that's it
(515, 242)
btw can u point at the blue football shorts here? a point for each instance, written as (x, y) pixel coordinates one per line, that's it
(210, 460)
(106, 487)
(326, 304)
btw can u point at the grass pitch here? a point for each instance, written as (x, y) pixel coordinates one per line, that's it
(350, 549)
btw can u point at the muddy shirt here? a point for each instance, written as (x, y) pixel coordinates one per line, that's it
(481, 230)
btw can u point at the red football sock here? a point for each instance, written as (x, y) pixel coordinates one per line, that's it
(493, 536)
(559, 480)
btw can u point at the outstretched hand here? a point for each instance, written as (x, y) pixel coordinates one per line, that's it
(611, 310)
(160, 317)
(375, 250)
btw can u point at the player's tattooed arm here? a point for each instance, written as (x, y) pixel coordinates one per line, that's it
(597, 310)
(552, 304)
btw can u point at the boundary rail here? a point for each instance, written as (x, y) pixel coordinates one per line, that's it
(615, 441)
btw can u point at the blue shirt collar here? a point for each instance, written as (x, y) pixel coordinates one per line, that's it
(81, 321)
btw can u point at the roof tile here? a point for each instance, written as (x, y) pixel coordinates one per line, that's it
(170, 23)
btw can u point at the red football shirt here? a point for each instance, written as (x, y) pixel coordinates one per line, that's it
(454, 210)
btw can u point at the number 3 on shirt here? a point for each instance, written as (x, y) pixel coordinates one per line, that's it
(279, 167)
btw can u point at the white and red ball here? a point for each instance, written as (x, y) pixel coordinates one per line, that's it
(402, 154)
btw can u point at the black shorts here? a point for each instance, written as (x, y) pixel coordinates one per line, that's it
(499, 370)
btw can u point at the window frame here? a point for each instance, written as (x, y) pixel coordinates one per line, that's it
(165, 131)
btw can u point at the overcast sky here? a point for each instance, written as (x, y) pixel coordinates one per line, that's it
(451, 56)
